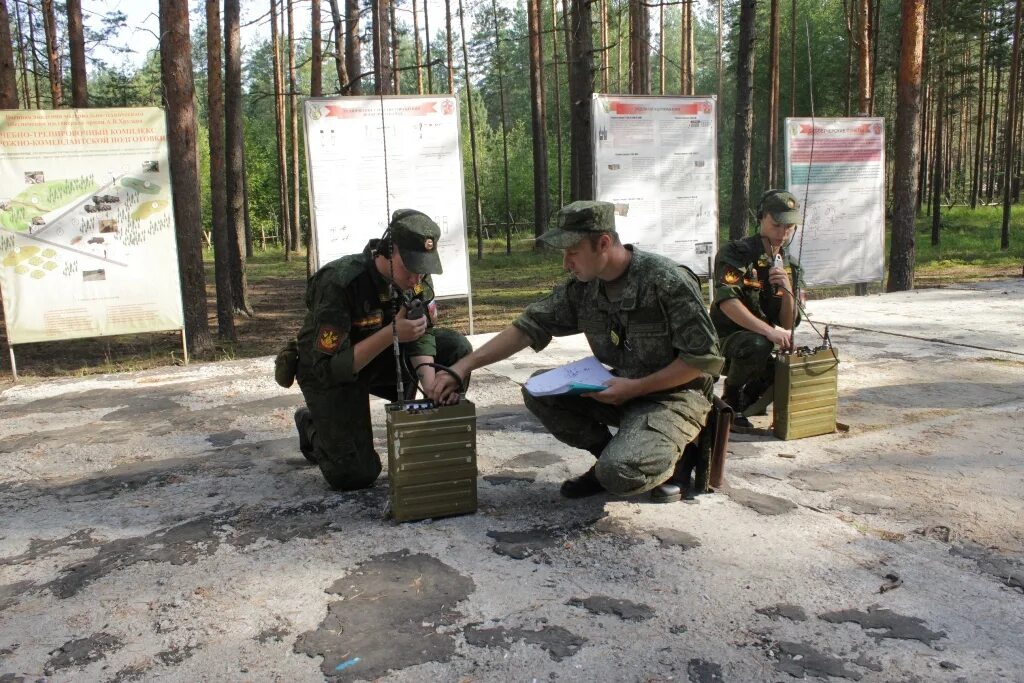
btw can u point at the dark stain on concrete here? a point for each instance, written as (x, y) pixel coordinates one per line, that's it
(12, 678)
(1008, 570)
(82, 652)
(700, 671)
(187, 542)
(783, 611)
(538, 459)
(273, 633)
(506, 477)
(678, 629)
(176, 655)
(623, 609)
(40, 548)
(761, 503)
(866, 662)
(555, 640)
(522, 544)
(816, 480)
(141, 407)
(223, 439)
(800, 660)
(134, 672)
(391, 609)
(507, 418)
(883, 623)
(675, 538)
(9, 593)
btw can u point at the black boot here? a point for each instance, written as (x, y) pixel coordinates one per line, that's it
(733, 395)
(582, 486)
(303, 421)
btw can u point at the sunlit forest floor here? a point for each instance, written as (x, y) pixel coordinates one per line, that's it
(503, 283)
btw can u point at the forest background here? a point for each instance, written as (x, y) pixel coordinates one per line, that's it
(945, 76)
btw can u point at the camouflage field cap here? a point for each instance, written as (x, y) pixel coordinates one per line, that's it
(575, 221)
(416, 236)
(782, 206)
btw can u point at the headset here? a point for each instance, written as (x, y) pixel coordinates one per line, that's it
(764, 198)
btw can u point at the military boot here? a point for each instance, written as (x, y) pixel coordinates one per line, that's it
(582, 486)
(303, 422)
(733, 395)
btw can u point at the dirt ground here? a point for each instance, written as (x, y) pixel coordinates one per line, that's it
(162, 525)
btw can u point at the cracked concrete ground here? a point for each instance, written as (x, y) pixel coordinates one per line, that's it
(163, 525)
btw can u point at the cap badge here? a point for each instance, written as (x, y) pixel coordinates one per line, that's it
(790, 203)
(428, 244)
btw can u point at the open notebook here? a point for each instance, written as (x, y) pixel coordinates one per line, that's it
(578, 377)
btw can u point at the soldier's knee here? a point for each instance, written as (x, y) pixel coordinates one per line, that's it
(349, 478)
(619, 477)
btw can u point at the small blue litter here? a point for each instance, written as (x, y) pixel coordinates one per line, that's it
(347, 663)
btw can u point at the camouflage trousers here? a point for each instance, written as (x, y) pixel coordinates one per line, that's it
(341, 431)
(652, 433)
(748, 356)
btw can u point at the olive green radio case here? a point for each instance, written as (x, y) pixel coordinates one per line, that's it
(431, 459)
(806, 393)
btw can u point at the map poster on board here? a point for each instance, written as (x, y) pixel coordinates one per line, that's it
(836, 168)
(87, 244)
(352, 191)
(656, 159)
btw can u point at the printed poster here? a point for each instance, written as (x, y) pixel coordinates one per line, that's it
(656, 159)
(836, 168)
(364, 164)
(87, 245)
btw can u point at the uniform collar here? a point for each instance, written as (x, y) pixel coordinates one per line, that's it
(629, 291)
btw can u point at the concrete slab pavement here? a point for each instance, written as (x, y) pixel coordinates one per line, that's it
(162, 525)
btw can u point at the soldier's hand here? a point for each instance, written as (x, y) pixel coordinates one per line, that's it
(780, 338)
(444, 390)
(780, 278)
(618, 392)
(409, 330)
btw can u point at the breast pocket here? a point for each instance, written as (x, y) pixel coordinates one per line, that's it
(651, 341)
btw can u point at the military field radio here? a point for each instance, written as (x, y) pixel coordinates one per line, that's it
(806, 387)
(432, 466)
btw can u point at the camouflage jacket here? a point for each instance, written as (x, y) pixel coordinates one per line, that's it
(741, 272)
(347, 300)
(660, 317)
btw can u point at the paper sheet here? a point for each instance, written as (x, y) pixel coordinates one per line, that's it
(578, 377)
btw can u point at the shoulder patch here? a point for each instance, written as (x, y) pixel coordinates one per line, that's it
(329, 338)
(731, 275)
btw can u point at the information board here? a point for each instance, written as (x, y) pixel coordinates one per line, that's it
(656, 159)
(87, 244)
(836, 168)
(351, 190)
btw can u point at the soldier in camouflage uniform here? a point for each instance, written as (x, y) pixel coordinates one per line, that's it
(344, 346)
(643, 316)
(754, 307)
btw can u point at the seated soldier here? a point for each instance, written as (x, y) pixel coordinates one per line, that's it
(345, 344)
(754, 309)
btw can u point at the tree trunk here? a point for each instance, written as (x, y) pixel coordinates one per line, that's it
(661, 48)
(602, 8)
(417, 54)
(850, 40)
(76, 44)
(792, 59)
(284, 209)
(540, 134)
(316, 64)
(426, 34)
(339, 47)
(938, 130)
(353, 48)
(21, 55)
(922, 170)
(8, 76)
(235, 127)
(979, 132)
(558, 101)
(721, 77)
(504, 124)
(293, 132)
(907, 146)
(639, 50)
(32, 51)
(472, 134)
(684, 37)
(383, 81)
(773, 94)
(581, 92)
(395, 62)
(218, 180)
(993, 156)
(52, 53)
(743, 121)
(1011, 115)
(179, 93)
(863, 58)
(619, 43)
(449, 46)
